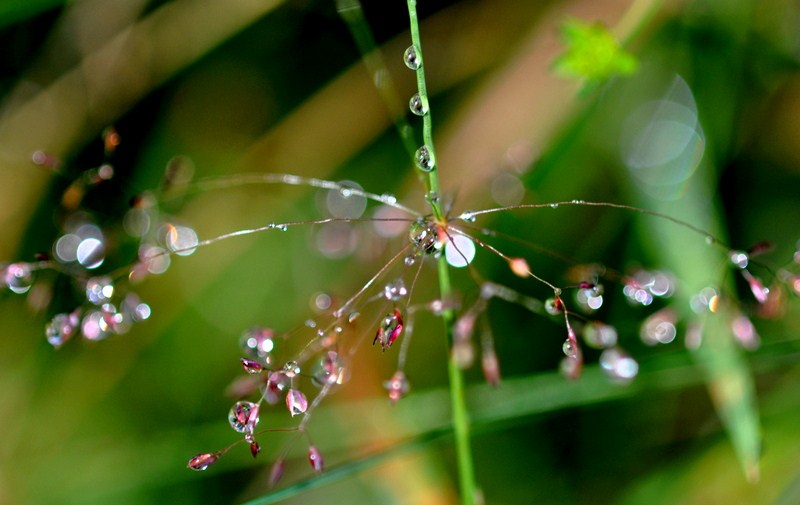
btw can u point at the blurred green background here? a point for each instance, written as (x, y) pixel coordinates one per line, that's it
(705, 130)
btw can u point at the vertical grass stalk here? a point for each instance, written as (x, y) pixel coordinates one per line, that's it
(460, 415)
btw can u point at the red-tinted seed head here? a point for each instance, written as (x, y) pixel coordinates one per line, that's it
(203, 461)
(315, 459)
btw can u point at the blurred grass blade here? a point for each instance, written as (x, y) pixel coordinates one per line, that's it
(14, 11)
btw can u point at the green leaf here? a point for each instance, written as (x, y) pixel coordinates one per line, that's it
(592, 53)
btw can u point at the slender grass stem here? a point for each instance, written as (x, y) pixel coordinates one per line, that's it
(460, 415)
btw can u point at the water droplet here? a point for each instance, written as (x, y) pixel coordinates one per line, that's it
(569, 349)
(412, 58)
(61, 328)
(409, 260)
(388, 199)
(348, 201)
(202, 461)
(99, 290)
(398, 386)
(155, 259)
(599, 336)
(424, 159)
(659, 328)
(395, 290)
(710, 240)
(315, 459)
(459, 251)
(618, 365)
(90, 253)
(258, 343)
(274, 388)
(282, 227)
(181, 240)
(739, 259)
(389, 330)
(243, 417)
(95, 325)
(19, 277)
(468, 216)
(291, 369)
(251, 366)
(296, 402)
(418, 105)
(553, 205)
(310, 323)
(554, 306)
(353, 316)
(425, 237)
(578, 202)
(329, 370)
(66, 248)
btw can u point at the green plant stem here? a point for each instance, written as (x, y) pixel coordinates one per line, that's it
(460, 415)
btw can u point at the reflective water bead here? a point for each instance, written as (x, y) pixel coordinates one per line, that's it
(19, 277)
(425, 237)
(95, 326)
(296, 402)
(554, 306)
(315, 459)
(61, 328)
(202, 461)
(569, 349)
(389, 330)
(258, 343)
(243, 417)
(424, 159)
(739, 259)
(395, 290)
(459, 251)
(90, 252)
(417, 105)
(659, 328)
(329, 369)
(275, 386)
(251, 366)
(409, 260)
(412, 58)
(99, 290)
(181, 240)
(397, 386)
(599, 336)
(618, 365)
(468, 216)
(291, 369)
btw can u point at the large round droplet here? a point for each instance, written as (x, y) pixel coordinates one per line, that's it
(258, 343)
(412, 58)
(61, 328)
(618, 365)
(19, 277)
(243, 417)
(418, 105)
(459, 251)
(395, 290)
(599, 335)
(99, 290)
(424, 159)
(329, 370)
(296, 402)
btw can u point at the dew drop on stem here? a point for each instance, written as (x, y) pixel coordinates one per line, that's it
(412, 58)
(424, 159)
(417, 105)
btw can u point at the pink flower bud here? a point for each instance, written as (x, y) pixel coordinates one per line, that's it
(315, 459)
